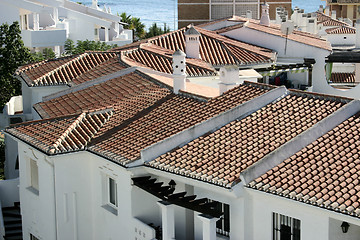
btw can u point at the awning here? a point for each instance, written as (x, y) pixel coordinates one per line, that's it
(271, 73)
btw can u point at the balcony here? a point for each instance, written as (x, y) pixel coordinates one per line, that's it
(44, 38)
(344, 1)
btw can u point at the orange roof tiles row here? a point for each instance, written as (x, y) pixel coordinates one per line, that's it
(63, 70)
(324, 174)
(106, 94)
(70, 133)
(341, 30)
(337, 77)
(221, 156)
(159, 61)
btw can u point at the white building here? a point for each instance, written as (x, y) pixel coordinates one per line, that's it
(47, 24)
(252, 162)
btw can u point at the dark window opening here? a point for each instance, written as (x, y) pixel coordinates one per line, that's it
(17, 163)
(223, 224)
(285, 228)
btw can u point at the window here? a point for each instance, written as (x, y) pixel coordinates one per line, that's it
(113, 192)
(34, 175)
(285, 228)
(32, 237)
(223, 224)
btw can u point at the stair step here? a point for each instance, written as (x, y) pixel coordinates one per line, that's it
(13, 238)
(13, 226)
(12, 214)
(13, 233)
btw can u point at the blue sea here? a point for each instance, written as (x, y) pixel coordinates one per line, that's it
(165, 11)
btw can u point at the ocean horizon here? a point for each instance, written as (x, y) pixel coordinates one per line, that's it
(165, 11)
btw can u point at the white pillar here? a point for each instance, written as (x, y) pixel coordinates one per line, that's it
(36, 19)
(168, 220)
(209, 226)
(357, 72)
(55, 15)
(57, 51)
(106, 34)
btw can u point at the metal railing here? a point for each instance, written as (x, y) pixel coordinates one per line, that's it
(2, 226)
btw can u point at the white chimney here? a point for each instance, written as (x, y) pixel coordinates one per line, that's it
(94, 4)
(333, 14)
(229, 78)
(357, 35)
(265, 19)
(327, 10)
(179, 71)
(321, 8)
(249, 14)
(294, 16)
(192, 44)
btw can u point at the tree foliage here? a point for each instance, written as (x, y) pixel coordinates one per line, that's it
(13, 54)
(135, 24)
(154, 30)
(87, 45)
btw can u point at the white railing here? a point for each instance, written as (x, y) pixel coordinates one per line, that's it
(2, 226)
(44, 38)
(143, 231)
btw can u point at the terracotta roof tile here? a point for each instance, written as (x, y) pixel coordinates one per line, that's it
(241, 143)
(131, 91)
(332, 181)
(327, 21)
(63, 71)
(341, 30)
(70, 133)
(160, 59)
(337, 77)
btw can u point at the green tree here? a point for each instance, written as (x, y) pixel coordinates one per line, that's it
(87, 45)
(135, 24)
(13, 54)
(154, 30)
(48, 53)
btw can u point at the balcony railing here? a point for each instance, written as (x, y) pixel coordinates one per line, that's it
(344, 1)
(44, 38)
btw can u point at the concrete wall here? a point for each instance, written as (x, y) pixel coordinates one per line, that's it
(341, 39)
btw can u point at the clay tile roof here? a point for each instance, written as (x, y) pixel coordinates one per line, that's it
(170, 115)
(64, 134)
(327, 21)
(132, 91)
(331, 179)
(74, 69)
(341, 30)
(337, 77)
(219, 157)
(160, 59)
(216, 49)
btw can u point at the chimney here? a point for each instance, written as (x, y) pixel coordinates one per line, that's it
(333, 14)
(229, 78)
(265, 19)
(294, 16)
(94, 4)
(357, 35)
(179, 69)
(327, 10)
(321, 8)
(249, 14)
(192, 44)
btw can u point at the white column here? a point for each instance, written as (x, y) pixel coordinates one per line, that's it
(209, 226)
(36, 19)
(357, 72)
(106, 34)
(57, 51)
(55, 15)
(168, 220)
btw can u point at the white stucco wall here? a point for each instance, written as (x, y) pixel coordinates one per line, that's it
(341, 39)
(316, 223)
(38, 210)
(11, 153)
